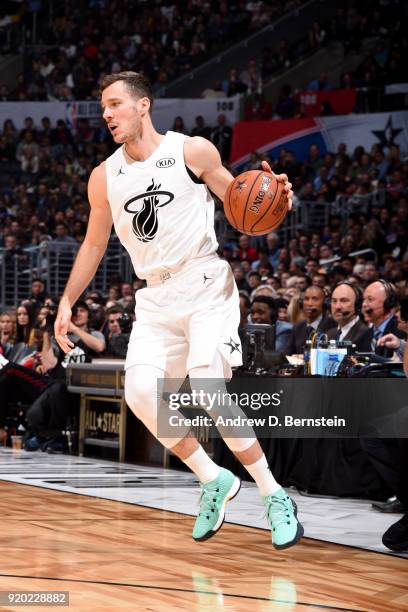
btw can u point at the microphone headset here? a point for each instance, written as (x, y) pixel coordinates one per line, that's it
(391, 297)
(358, 297)
(326, 301)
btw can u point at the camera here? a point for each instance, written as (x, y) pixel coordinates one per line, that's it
(125, 323)
(49, 321)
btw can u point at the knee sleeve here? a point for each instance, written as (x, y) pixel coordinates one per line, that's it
(143, 392)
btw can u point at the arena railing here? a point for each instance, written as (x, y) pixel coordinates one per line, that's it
(368, 254)
(52, 261)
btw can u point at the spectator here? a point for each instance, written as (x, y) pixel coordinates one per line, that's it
(320, 84)
(346, 301)
(317, 320)
(246, 251)
(263, 311)
(7, 332)
(285, 107)
(38, 294)
(215, 91)
(221, 136)
(379, 307)
(25, 320)
(200, 129)
(245, 307)
(178, 125)
(258, 108)
(233, 85)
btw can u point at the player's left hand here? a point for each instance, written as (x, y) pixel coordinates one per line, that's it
(282, 178)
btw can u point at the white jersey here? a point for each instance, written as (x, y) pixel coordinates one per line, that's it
(161, 216)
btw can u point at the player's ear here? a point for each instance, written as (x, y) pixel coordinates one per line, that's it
(143, 105)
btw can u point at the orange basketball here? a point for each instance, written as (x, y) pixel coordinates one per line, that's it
(255, 203)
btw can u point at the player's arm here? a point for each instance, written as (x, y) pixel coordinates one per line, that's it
(203, 159)
(89, 255)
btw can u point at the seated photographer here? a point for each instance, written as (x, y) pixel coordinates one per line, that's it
(263, 311)
(313, 306)
(380, 305)
(117, 332)
(346, 301)
(47, 416)
(111, 325)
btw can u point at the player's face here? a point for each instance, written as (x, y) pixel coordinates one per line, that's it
(123, 112)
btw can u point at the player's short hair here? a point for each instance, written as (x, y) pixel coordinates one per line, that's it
(137, 84)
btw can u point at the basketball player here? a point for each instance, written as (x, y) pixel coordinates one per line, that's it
(154, 189)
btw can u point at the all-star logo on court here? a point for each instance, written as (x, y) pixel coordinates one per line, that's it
(234, 346)
(145, 222)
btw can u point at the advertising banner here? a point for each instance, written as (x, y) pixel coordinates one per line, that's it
(164, 112)
(298, 135)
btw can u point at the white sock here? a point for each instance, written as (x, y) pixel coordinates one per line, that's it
(263, 477)
(202, 465)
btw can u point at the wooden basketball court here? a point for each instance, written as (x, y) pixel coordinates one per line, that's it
(112, 555)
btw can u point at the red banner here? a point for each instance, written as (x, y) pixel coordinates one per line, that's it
(254, 135)
(340, 101)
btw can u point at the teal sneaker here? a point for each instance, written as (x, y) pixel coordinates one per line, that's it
(213, 499)
(281, 513)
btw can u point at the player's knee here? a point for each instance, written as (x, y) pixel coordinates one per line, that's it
(140, 395)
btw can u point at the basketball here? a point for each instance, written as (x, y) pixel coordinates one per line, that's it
(255, 203)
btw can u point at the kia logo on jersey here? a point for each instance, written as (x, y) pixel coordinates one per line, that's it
(165, 162)
(145, 222)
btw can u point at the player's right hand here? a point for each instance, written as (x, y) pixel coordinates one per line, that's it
(61, 326)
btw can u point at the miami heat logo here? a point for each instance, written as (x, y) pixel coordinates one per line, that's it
(145, 221)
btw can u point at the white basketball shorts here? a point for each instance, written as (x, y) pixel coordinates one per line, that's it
(182, 319)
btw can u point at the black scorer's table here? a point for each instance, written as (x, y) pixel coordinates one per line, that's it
(323, 466)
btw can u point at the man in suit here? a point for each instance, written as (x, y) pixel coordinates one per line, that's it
(379, 306)
(263, 310)
(316, 319)
(345, 305)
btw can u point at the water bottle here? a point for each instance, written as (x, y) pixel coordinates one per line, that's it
(332, 364)
(306, 358)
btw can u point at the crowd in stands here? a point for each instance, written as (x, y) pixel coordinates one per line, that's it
(163, 41)
(382, 62)
(44, 171)
(47, 201)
